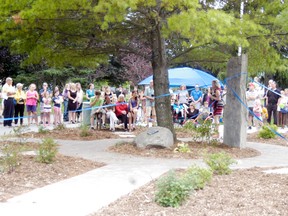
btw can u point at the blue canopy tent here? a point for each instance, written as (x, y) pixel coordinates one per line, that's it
(187, 76)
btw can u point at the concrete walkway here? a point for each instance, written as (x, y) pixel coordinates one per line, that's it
(87, 193)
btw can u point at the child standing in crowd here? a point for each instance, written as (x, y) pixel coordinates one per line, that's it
(257, 109)
(57, 100)
(31, 103)
(46, 108)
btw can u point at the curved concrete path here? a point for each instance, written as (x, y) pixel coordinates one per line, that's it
(87, 193)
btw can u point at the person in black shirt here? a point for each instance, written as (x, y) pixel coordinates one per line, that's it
(192, 112)
(272, 98)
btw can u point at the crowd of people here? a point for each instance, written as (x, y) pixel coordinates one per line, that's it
(67, 105)
(267, 104)
(198, 106)
(136, 106)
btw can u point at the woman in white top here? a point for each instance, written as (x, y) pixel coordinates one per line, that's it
(183, 95)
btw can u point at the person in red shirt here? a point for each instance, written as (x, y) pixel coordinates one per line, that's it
(121, 111)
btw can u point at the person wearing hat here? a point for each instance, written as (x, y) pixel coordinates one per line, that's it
(251, 96)
(20, 98)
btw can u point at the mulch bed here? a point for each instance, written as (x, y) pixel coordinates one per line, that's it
(197, 150)
(30, 174)
(244, 192)
(253, 137)
(73, 134)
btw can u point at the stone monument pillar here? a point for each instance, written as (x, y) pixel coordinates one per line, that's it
(235, 113)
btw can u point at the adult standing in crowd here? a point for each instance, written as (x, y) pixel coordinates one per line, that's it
(65, 102)
(20, 97)
(42, 92)
(272, 98)
(90, 93)
(80, 96)
(251, 96)
(183, 95)
(72, 103)
(119, 91)
(8, 92)
(196, 97)
(266, 91)
(215, 96)
(32, 97)
(150, 102)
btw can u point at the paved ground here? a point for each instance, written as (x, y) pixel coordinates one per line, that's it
(87, 193)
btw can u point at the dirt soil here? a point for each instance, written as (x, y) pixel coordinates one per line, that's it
(253, 137)
(73, 134)
(197, 150)
(244, 192)
(30, 174)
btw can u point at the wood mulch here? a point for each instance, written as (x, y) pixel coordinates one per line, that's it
(244, 192)
(197, 150)
(30, 174)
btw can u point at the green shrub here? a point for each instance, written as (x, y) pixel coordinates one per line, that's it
(267, 131)
(183, 148)
(204, 130)
(18, 132)
(219, 162)
(172, 190)
(198, 177)
(189, 126)
(10, 158)
(47, 151)
(84, 131)
(42, 130)
(60, 127)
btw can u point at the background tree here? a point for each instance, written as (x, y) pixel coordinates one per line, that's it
(85, 33)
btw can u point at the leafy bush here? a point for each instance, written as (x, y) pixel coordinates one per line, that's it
(10, 158)
(198, 177)
(219, 162)
(183, 148)
(84, 131)
(201, 131)
(172, 190)
(60, 127)
(189, 126)
(47, 151)
(42, 130)
(18, 132)
(268, 131)
(204, 130)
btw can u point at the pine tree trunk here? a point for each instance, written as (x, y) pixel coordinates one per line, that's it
(161, 81)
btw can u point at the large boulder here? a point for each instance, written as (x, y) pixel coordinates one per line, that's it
(155, 137)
